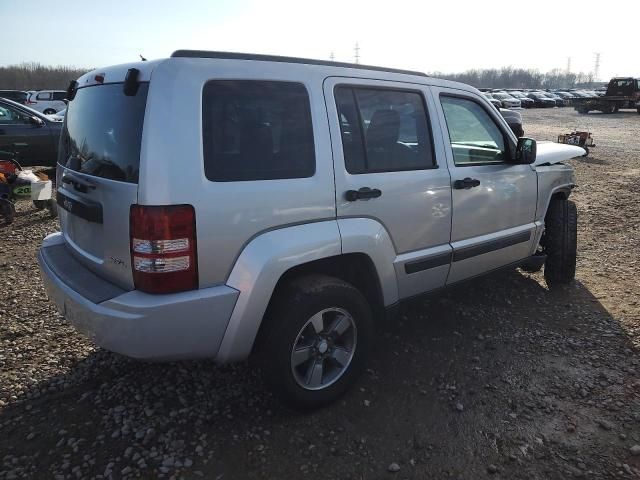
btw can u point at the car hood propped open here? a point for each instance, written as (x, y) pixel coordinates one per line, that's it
(549, 153)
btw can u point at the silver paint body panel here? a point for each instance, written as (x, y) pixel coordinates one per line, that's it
(251, 233)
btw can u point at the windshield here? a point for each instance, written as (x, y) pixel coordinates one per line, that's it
(103, 131)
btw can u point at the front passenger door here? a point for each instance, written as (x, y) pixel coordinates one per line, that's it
(493, 199)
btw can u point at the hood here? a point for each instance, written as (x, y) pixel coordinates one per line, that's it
(550, 153)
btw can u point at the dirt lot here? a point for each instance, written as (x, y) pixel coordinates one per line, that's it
(500, 378)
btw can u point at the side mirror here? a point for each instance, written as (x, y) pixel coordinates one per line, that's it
(36, 121)
(526, 151)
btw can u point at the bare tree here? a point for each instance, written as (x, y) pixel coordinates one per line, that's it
(510, 77)
(33, 76)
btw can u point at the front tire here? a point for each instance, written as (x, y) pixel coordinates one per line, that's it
(315, 340)
(49, 111)
(560, 242)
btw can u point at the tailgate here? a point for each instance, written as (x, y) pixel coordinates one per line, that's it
(95, 223)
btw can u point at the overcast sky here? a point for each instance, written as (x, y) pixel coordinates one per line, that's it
(445, 36)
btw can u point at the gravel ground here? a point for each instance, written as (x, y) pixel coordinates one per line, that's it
(500, 378)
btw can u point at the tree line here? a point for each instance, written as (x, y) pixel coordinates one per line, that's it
(509, 77)
(34, 76)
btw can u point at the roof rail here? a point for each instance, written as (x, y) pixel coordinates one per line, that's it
(276, 58)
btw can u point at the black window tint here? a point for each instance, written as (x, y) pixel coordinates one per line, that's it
(383, 130)
(257, 130)
(103, 131)
(59, 95)
(475, 137)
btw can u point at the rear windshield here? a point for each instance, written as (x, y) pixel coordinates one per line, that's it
(102, 132)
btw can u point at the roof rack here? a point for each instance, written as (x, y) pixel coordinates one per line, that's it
(277, 58)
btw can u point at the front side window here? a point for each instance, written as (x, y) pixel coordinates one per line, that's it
(475, 137)
(257, 130)
(11, 116)
(59, 95)
(383, 130)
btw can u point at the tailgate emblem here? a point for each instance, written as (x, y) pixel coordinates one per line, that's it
(117, 261)
(67, 204)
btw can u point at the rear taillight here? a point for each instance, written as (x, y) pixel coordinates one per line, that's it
(163, 248)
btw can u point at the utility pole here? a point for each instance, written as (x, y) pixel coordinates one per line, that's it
(596, 67)
(357, 53)
(568, 64)
(332, 56)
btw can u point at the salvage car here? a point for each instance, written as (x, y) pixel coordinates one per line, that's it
(494, 101)
(29, 133)
(354, 189)
(16, 95)
(514, 120)
(507, 100)
(47, 101)
(541, 100)
(525, 101)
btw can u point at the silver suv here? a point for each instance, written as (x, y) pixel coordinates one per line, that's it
(218, 205)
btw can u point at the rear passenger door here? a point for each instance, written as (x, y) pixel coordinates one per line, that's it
(494, 199)
(391, 169)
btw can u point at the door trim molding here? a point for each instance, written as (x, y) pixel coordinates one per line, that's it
(490, 246)
(426, 264)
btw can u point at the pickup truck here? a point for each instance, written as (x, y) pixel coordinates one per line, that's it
(622, 92)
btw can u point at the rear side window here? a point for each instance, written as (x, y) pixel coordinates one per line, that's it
(103, 131)
(383, 130)
(44, 96)
(59, 95)
(256, 130)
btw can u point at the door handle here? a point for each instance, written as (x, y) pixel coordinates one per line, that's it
(363, 194)
(466, 184)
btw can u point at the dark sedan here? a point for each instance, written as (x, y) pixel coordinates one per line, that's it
(541, 100)
(15, 95)
(29, 133)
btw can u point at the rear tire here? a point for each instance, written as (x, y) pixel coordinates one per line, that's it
(560, 242)
(292, 347)
(52, 206)
(40, 204)
(49, 111)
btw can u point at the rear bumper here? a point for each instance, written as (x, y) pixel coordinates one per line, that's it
(175, 326)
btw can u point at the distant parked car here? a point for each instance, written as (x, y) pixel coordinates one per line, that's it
(48, 101)
(15, 95)
(507, 100)
(32, 134)
(560, 102)
(525, 101)
(494, 101)
(58, 117)
(541, 100)
(514, 119)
